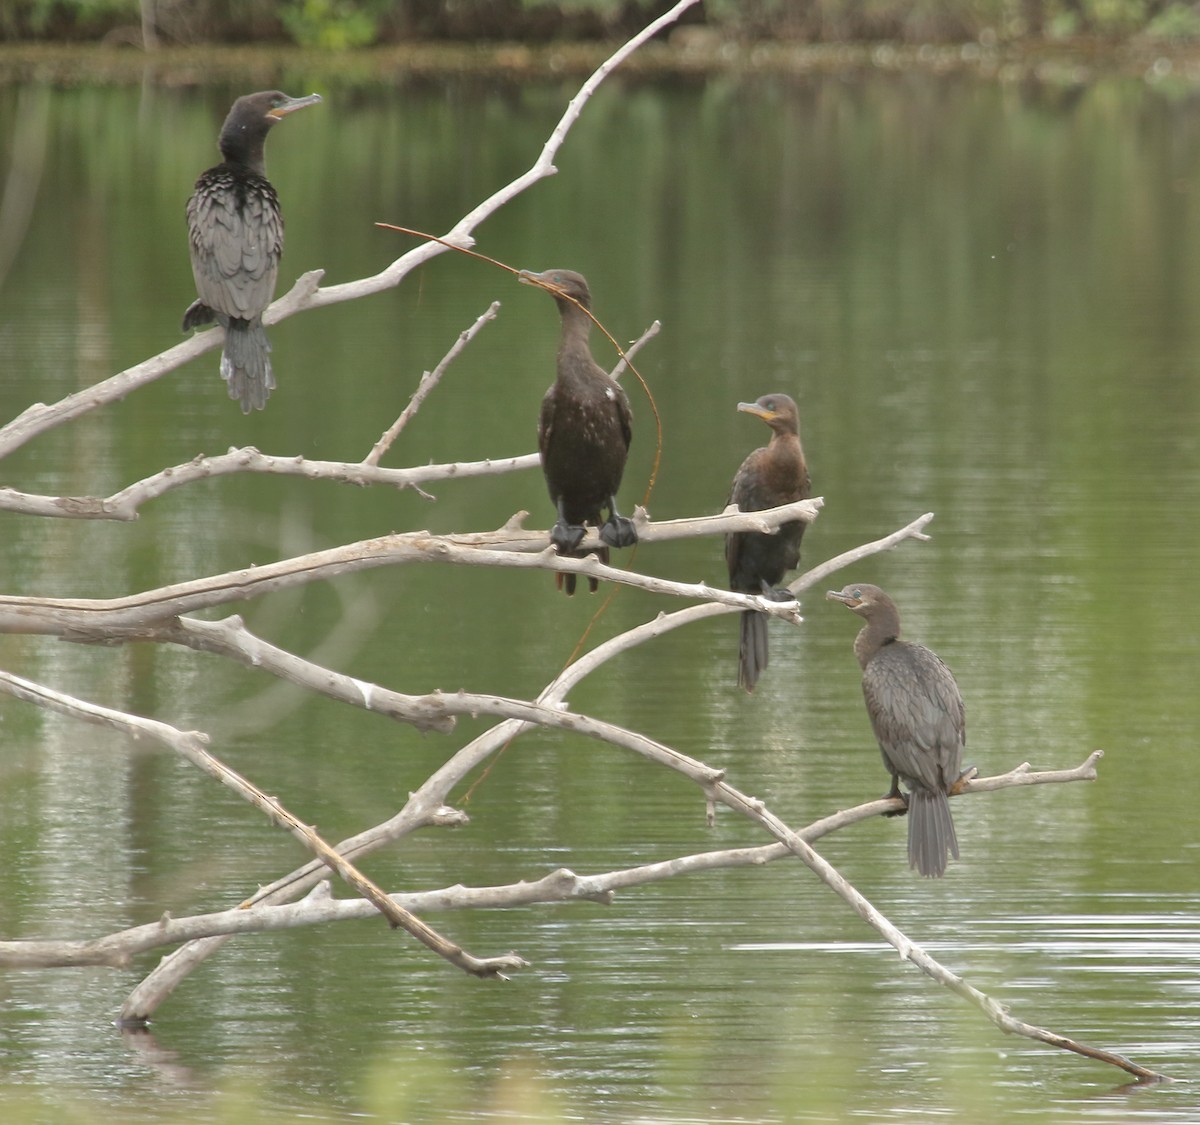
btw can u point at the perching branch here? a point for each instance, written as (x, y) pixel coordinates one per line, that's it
(561, 886)
(306, 293)
(129, 617)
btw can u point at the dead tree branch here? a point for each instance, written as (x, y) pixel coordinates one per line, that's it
(306, 293)
(191, 745)
(562, 886)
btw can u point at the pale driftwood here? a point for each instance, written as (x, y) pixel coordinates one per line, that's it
(134, 616)
(633, 349)
(192, 746)
(124, 505)
(560, 886)
(429, 380)
(155, 615)
(427, 803)
(306, 293)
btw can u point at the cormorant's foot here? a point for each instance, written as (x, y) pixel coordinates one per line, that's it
(566, 537)
(960, 782)
(895, 794)
(778, 594)
(619, 531)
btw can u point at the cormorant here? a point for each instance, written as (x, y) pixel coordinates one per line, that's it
(235, 232)
(584, 432)
(918, 717)
(770, 476)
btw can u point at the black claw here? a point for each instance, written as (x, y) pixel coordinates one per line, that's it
(778, 594)
(619, 531)
(895, 792)
(566, 537)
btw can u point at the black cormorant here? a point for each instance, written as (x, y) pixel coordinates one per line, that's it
(770, 476)
(235, 232)
(584, 432)
(918, 717)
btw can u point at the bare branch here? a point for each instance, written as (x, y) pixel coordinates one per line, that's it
(634, 348)
(191, 745)
(124, 505)
(429, 380)
(129, 617)
(306, 294)
(561, 886)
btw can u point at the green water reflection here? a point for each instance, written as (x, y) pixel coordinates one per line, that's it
(982, 296)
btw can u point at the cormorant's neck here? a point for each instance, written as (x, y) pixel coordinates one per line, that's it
(874, 635)
(242, 147)
(576, 328)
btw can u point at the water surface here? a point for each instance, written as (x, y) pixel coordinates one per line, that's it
(982, 296)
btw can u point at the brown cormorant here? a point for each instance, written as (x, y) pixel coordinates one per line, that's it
(918, 717)
(235, 232)
(773, 475)
(584, 432)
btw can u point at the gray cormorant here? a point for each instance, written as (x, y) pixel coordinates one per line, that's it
(584, 432)
(918, 717)
(235, 232)
(770, 476)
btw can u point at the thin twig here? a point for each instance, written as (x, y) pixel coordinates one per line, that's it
(429, 380)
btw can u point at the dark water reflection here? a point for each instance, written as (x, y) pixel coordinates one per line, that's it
(983, 298)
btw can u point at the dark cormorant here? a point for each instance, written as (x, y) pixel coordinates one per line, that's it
(773, 475)
(583, 432)
(235, 232)
(918, 717)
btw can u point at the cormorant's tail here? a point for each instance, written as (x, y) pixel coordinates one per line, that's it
(931, 838)
(246, 363)
(752, 648)
(564, 581)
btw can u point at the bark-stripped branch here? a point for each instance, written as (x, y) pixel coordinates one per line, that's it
(429, 380)
(562, 886)
(129, 617)
(191, 745)
(306, 293)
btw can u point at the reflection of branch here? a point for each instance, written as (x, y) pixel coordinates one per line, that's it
(306, 293)
(27, 155)
(106, 619)
(190, 745)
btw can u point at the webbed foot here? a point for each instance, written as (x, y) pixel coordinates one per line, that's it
(778, 594)
(619, 531)
(566, 537)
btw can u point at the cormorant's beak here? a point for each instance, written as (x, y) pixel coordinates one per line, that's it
(291, 105)
(757, 411)
(542, 281)
(842, 596)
